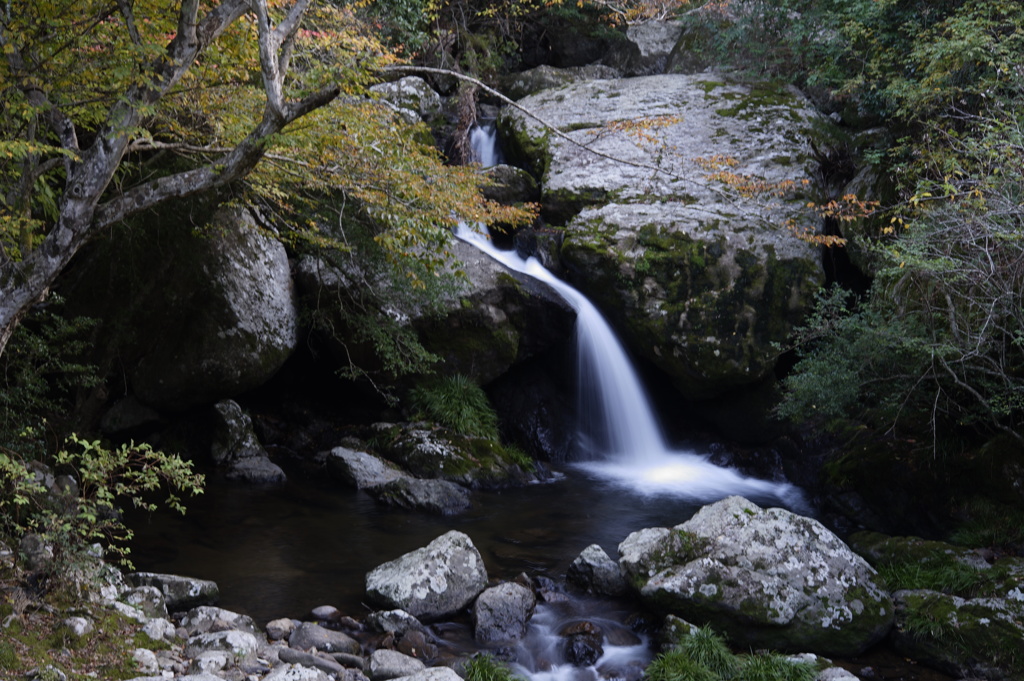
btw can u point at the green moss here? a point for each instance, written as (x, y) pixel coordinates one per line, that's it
(762, 96)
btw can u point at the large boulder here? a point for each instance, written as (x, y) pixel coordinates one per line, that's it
(678, 193)
(768, 578)
(192, 315)
(437, 580)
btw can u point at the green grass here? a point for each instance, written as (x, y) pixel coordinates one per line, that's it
(457, 403)
(990, 524)
(704, 656)
(775, 667)
(950, 577)
(484, 667)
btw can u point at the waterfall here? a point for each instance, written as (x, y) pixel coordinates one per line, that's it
(483, 142)
(618, 429)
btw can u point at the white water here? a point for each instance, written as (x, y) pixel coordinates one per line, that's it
(483, 141)
(617, 428)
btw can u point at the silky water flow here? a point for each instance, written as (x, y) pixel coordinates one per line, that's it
(624, 446)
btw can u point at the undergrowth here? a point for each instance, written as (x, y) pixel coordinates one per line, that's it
(483, 667)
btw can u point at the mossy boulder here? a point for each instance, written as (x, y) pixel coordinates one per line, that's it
(679, 194)
(427, 451)
(967, 638)
(768, 578)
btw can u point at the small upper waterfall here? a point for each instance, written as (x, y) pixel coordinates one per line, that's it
(483, 142)
(617, 427)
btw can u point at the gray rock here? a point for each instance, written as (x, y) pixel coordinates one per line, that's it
(280, 628)
(145, 660)
(148, 599)
(544, 77)
(391, 664)
(210, 661)
(501, 613)
(240, 644)
(160, 629)
(595, 571)
(180, 593)
(79, 626)
(309, 660)
(437, 580)
(433, 496)
(767, 578)
(127, 414)
(310, 635)
(206, 618)
(393, 622)
(360, 469)
(699, 280)
(433, 674)
(656, 39)
(412, 93)
(236, 448)
(294, 672)
(511, 185)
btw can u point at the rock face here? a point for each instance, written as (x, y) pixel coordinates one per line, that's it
(768, 578)
(687, 250)
(439, 579)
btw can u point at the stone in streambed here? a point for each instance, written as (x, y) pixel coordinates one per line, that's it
(310, 635)
(595, 571)
(437, 580)
(767, 578)
(501, 613)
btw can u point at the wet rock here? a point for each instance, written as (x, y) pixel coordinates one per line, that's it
(595, 571)
(433, 496)
(582, 643)
(240, 644)
(291, 672)
(393, 621)
(501, 613)
(180, 593)
(236, 448)
(415, 643)
(767, 578)
(391, 664)
(310, 635)
(360, 469)
(293, 656)
(437, 580)
(433, 674)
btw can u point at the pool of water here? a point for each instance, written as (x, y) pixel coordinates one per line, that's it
(278, 552)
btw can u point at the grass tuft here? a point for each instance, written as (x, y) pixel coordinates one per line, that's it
(457, 403)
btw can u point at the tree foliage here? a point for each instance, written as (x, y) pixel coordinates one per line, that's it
(113, 108)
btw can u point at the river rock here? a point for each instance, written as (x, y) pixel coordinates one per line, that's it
(293, 656)
(433, 496)
(967, 638)
(294, 672)
(501, 613)
(433, 674)
(391, 664)
(360, 469)
(437, 580)
(148, 599)
(701, 280)
(207, 618)
(180, 593)
(767, 578)
(393, 622)
(582, 643)
(595, 571)
(311, 635)
(236, 449)
(240, 644)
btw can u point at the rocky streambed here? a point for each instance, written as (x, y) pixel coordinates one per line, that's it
(766, 577)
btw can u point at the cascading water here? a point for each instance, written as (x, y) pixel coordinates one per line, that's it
(617, 426)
